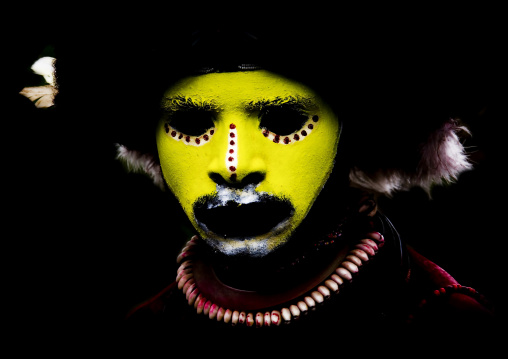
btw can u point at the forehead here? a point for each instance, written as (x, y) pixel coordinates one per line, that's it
(238, 87)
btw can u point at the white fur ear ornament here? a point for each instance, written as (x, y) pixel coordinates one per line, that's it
(43, 96)
(442, 158)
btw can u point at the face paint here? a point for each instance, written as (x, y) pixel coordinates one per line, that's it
(246, 154)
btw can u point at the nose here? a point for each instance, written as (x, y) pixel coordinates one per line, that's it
(241, 166)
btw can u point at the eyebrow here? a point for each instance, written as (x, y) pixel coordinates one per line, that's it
(182, 103)
(300, 103)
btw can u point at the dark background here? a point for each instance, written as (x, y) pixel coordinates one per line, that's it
(84, 241)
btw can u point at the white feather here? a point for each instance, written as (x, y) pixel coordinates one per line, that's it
(442, 159)
(138, 162)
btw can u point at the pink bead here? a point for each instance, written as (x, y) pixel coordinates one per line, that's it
(267, 319)
(276, 318)
(259, 319)
(214, 309)
(220, 314)
(366, 248)
(249, 320)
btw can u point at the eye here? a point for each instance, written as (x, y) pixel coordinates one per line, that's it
(282, 120)
(192, 122)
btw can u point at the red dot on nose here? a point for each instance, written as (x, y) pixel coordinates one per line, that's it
(230, 159)
(231, 150)
(232, 126)
(232, 168)
(232, 142)
(232, 135)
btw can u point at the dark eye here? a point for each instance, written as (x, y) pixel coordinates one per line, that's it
(282, 120)
(192, 122)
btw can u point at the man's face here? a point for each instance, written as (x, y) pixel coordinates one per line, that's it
(246, 154)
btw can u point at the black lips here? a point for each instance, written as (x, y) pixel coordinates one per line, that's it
(243, 220)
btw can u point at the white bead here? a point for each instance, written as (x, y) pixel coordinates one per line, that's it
(318, 297)
(324, 291)
(295, 311)
(332, 285)
(344, 273)
(286, 314)
(309, 301)
(234, 317)
(354, 259)
(227, 315)
(337, 279)
(351, 267)
(302, 306)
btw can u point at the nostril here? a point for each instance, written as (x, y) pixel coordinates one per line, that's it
(217, 178)
(252, 178)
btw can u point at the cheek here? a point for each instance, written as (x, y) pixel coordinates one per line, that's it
(300, 170)
(185, 169)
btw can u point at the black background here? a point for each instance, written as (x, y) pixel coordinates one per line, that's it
(84, 241)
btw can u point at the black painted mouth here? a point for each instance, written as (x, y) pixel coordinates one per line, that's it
(242, 221)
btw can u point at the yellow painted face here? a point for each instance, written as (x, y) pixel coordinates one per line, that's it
(246, 154)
